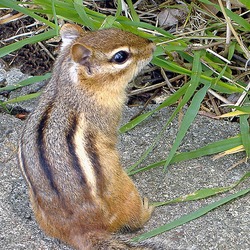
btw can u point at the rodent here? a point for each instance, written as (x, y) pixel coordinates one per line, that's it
(78, 190)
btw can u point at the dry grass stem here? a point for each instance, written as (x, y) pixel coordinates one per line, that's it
(155, 86)
(239, 40)
(244, 160)
(219, 97)
(215, 106)
(243, 95)
(46, 50)
(11, 18)
(228, 32)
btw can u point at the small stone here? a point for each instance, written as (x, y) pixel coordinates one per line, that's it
(3, 82)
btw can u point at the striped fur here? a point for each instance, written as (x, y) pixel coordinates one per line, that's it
(67, 153)
(76, 164)
(40, 141)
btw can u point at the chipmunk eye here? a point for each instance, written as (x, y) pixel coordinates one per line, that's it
(120, 57)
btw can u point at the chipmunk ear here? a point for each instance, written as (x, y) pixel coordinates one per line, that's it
(81, 54)
(70, 32)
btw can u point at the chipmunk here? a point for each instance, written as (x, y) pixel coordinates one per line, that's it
(79, 192)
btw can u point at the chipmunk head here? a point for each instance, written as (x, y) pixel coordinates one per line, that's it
(108, 56)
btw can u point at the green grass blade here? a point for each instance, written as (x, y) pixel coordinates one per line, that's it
(231, 50)
(82, 14)
(235, 17)
(244, 129)
(146, 153)
(14, 5)
(130, 125)
(192, 216)
(125, 21)
(17, 45)
(193, 108)
(118, 8)
(108, 22)
(134, 15)
(149, 149)
(179, 107)
(55, 17)
(203, 193)
(22, 98)
(238, 19)
(246, 2)
(169, 101)
(26, 82)
(173, 67)
(192, 85)
(212, 148)
(187, 121)
(245, 109)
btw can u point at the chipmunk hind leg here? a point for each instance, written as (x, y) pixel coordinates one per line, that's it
(132, 210)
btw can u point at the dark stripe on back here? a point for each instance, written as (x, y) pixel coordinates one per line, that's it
(72, 150)
(47, 169)
(91, 150)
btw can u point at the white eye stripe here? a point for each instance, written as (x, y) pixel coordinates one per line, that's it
(113, 66)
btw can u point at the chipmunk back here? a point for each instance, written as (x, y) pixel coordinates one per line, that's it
(78, 190)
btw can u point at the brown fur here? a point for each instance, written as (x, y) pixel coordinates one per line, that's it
(78, 189)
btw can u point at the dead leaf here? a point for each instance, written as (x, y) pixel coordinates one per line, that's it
(170, 17)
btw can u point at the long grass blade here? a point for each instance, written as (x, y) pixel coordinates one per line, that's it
(203, 193)
(221, 86)
(22, 98)
(193, 108)
(192, 216)
(82, 14)
(238, 19)
(17, 45)
(185, 99)
(26, 82)
(134, 15)
(169, 101)
(187, 121)
(244, 129)
(14, 5)
(246, 2)
(118, 8)
(213, 148)
(55, 17)
(146, 153)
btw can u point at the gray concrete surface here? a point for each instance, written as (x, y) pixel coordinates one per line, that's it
(12, 76)
(227, 227)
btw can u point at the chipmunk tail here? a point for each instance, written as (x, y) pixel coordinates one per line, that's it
(101, 240)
